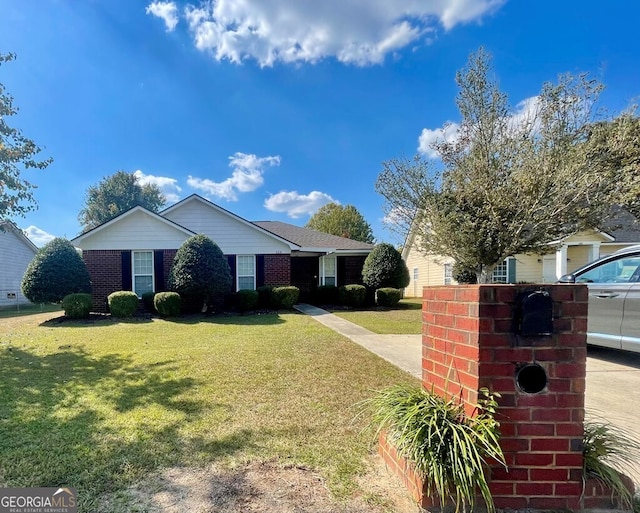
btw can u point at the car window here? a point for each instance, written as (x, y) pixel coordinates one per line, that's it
(622, 270)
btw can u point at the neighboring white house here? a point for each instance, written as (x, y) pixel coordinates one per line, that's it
(564, 256)
(16, 252)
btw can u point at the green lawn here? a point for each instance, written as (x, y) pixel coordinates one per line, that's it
(405, 319)
(98, 405)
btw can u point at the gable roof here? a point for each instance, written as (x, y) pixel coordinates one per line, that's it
(11, 227)
(90, 233)
(309, 239)
(197, 198)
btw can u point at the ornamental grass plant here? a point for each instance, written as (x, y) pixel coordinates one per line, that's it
(448, 448)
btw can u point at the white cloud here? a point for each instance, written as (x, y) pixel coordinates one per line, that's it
(295, 204)
(523, 118)
(429, 137)
(247, 176)
(168, 186)
(167, 11)
(360, 32)
(38, 236)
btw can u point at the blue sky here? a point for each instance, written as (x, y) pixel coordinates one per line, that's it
(271, 108)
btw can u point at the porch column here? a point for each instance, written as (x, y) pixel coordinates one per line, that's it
(561, 261)
(595, 251)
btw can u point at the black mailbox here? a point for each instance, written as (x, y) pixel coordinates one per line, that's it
(534, 314)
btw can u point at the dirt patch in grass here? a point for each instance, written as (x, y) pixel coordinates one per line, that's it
(264, 487)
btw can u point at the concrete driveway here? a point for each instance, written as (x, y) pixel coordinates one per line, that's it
(613, 377)
(613, 390)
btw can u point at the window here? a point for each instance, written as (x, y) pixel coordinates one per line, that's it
(142, 272)
(616, 271)
(448, 274)
(246, 271)
(501, 273)
(328, 271)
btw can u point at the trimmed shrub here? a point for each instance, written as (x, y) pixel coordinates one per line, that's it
(384, 267)
(200, 274)
(353, 295)
(167, 304)
(388, 297)
(246, 300)
(265, 296)
(463, 274)
(326, 295)
(123, 303)
(77, 306)
(148, 300)
(285, 297)
(56, 270)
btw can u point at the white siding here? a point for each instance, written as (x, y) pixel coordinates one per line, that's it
(529, 268)
(233, 236)
(15, 255)
(137, 230)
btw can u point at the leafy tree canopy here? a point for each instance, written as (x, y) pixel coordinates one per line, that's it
(384, 267)
(17, 153)
(116, 194)
(342, 221)
(56, 270)
(200, 273)
(508, 183)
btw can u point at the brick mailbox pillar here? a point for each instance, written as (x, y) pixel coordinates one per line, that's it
(478, 336)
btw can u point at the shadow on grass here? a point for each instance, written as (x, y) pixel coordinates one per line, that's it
(98, 423)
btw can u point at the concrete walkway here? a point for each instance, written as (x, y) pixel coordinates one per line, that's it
(404, 351)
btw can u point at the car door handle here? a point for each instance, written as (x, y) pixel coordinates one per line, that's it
(606, 295)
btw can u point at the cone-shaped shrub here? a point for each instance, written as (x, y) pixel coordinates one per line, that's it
(56, 271)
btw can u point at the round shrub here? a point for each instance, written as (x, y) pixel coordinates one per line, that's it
(245, 300)
(148, 300)
(464, 274)
(353, 295)
(285, 297)
(200, 274)
(384, 267)
(167, 304)
(388, 297)
(265, 296)
(56, 270)
(123, 303)
(326, 295)
(77, 306)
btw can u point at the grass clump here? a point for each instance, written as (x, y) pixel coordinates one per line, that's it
(449, 448)
(609, 454)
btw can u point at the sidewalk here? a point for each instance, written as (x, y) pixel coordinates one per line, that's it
(404, 351)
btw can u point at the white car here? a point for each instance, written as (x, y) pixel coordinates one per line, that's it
(614, 299)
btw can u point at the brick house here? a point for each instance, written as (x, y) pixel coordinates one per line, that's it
(135, 250)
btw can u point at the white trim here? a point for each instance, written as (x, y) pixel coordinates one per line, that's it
(238, 276)
(322, 275)
(133, 270)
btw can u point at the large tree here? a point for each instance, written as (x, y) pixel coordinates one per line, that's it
(342, 221)
(507, 183)
(116, 194)
(17, 153)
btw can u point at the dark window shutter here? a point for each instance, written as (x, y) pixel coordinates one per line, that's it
(232, 265)
(127, 283)
(259, 270)
(511, 270)
(341, 271)
(158, 270)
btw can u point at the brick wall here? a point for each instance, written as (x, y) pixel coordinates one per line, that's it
(469, 343)
(277, 270)
(167, 262)
(105, 269)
